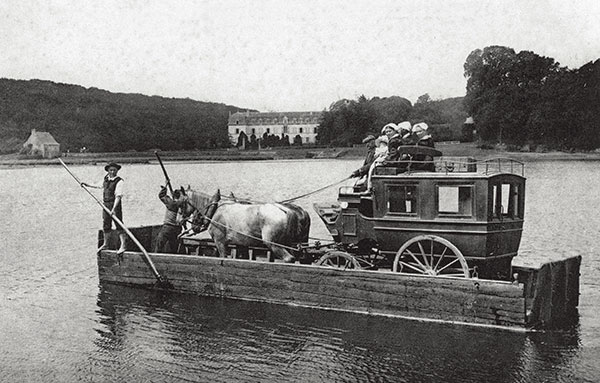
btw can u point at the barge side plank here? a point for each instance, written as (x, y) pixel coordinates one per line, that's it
(371, 292)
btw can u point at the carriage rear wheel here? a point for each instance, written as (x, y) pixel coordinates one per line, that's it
(431, 255)
(339, 259)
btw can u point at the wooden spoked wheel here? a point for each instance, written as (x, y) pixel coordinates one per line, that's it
(431, 255)
(339, 259)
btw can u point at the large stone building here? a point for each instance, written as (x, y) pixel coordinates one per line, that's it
(290, 124)
(43, 144)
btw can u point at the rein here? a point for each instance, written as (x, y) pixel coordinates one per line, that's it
(314, 191)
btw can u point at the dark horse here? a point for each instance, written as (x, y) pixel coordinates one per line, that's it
(278, 226)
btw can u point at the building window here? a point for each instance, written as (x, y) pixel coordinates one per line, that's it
(268, 130)
(253, 130)
(315, 130)
(306, 140)
(285, 129)
(299, 130)
(237, 131)
(402, 199)
(455, 200)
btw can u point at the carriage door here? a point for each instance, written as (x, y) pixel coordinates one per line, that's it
(508, 212)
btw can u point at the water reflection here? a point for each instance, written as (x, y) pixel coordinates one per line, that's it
(157, 335)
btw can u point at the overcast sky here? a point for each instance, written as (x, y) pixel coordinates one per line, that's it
(282, 55)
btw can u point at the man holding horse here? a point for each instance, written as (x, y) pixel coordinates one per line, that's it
(175, 215)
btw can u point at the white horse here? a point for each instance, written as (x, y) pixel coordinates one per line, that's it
(278, 226)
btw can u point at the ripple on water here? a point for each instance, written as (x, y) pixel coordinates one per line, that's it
(59, 326)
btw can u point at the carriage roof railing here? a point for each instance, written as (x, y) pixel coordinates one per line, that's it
(454, 165)
(488, 166)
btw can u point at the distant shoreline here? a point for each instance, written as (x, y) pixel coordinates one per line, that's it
(357, 152)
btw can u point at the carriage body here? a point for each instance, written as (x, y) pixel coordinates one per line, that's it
(476, 209)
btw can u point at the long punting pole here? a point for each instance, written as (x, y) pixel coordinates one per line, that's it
(165, 172)
(160, 279)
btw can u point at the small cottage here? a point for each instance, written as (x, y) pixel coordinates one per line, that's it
(42, 143)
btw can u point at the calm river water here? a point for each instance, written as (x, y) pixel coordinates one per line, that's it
(57, 324)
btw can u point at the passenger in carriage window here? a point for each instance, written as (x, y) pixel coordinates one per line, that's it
(166, 242)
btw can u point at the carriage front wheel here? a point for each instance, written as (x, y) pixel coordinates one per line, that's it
(339, 259)
(431, 255)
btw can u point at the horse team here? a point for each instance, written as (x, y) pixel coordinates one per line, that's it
(280, 227)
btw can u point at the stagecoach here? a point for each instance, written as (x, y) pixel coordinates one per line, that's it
(464, 220)
(433, 239)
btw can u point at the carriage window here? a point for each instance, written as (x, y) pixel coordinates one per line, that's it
(506, 201)
(455, 200)
(402, 199)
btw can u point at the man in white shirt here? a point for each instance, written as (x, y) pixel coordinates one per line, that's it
(112, 186)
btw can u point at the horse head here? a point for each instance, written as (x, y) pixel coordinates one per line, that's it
(204, 206)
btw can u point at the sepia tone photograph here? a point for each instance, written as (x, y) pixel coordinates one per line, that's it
(299, 191)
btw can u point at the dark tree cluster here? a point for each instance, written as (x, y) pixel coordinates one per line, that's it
(526, 99)
(107, 122)
(347, 122)
(267, 141)
(272, 140)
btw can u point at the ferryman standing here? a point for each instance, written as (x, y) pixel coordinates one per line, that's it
(112, 187)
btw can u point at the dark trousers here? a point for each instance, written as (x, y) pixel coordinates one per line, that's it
(166, 242)
(107, 219)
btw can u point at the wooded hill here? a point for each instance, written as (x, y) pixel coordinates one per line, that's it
(104, 122)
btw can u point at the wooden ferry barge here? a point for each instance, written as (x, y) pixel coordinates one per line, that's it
(414, 244)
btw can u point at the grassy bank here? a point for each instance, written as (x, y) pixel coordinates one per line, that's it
(358, 152)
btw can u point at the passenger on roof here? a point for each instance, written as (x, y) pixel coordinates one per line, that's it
(381, 148)
(423, 138)
(397, 135)
(370, 144)
(380, 154)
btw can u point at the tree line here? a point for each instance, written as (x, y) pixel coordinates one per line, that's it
(526, 99)
(347, 122)
(107, 122)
